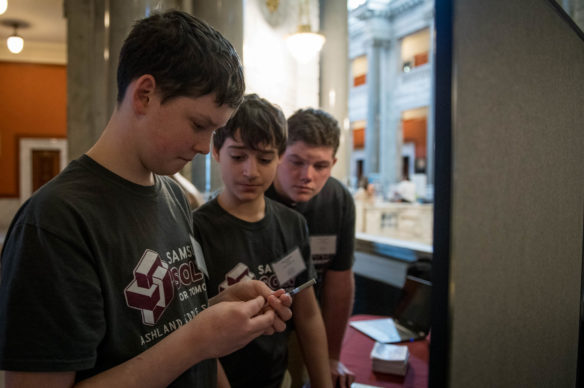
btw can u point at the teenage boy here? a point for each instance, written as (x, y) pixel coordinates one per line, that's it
(303, 182)
(247, 236)
(101, 282)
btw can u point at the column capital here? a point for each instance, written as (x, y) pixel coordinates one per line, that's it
(377, 42)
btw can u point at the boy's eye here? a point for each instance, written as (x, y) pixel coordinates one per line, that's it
(265, 160)
(237, 157)
(321, 166)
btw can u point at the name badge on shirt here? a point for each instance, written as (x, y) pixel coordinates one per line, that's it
(199, 257)
(289, 266)
(323, 245)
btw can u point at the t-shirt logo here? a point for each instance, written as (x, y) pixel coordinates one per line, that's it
(237, 274)
(151, 291)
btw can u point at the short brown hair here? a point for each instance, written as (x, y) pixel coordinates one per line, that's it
(259, 122)
(186, 57)
(314, 127)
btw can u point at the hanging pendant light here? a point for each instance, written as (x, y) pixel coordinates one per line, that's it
(305, 44)
(15, 42)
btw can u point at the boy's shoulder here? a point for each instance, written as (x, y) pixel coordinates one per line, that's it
(209, 208)
(334, 188)
(279, 209)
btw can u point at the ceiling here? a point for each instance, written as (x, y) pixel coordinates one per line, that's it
(44, 17)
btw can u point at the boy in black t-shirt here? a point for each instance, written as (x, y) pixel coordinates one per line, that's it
(101, 282)
(247, 236)
(304, 183)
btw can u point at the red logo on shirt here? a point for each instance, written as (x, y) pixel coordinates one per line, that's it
(151, 290)
(238, 273)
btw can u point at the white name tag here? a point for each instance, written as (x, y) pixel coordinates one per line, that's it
(199, 257)
(323, 245)
(289, 266)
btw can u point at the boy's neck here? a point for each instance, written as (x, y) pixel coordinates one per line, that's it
(282, 194)
(249, 211)
(114, 150)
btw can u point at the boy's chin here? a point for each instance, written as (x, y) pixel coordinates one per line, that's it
(303, 197)
(249, 197)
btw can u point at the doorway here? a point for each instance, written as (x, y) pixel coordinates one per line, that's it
(40, 160)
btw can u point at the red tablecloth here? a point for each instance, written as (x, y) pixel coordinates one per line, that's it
(355, 356)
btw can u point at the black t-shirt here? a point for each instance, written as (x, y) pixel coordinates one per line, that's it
(330, 216)
(95, 270)
(235, 250)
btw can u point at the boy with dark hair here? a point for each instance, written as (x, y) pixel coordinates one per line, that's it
(303, 182)
(101, 280)
(247, 236)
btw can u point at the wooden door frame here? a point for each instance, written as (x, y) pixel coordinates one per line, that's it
(26, 145)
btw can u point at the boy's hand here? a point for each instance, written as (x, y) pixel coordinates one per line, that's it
(342, 377)
(228, 326)
(277, 302)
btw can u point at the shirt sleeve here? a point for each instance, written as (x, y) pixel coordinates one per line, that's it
(51, 302)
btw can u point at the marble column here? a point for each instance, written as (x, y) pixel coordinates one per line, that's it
(227, 17)
(372, 137)
(86, 74)
(390, 139)
(96, 30)
(334, 78)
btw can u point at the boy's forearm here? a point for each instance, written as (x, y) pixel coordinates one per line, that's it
(158, 366)
(222, 380)
(337, 304)
(312, 338)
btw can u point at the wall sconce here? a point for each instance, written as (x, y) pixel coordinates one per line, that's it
(305, 44)
(15, 42)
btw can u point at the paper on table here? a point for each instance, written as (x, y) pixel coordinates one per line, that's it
(390, 353)
(381, 330)
(387, 358)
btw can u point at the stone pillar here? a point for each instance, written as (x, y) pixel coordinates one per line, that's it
(372, 129)
(86, 74)
(227, 17)
(390, 139)
(377, 34)
(334, 78)
(96, 30)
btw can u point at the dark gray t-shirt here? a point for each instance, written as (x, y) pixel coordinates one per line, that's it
(95, 270)
(330, 216)
(235, 250)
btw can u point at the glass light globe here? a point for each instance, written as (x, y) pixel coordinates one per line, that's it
(304, 46)
(15, 44)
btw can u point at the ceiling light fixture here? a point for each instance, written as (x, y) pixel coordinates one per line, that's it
(3, 6)
(15, 42)
(305, 44)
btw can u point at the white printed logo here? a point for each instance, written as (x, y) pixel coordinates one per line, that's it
(151, 291)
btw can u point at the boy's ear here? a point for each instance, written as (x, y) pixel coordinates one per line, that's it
(215, 153)
(143, 92)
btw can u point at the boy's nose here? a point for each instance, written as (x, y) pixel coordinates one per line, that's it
(307, 172)
(203, 144)
(250, 168)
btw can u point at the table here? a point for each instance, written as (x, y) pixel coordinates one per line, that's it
(355, 356)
